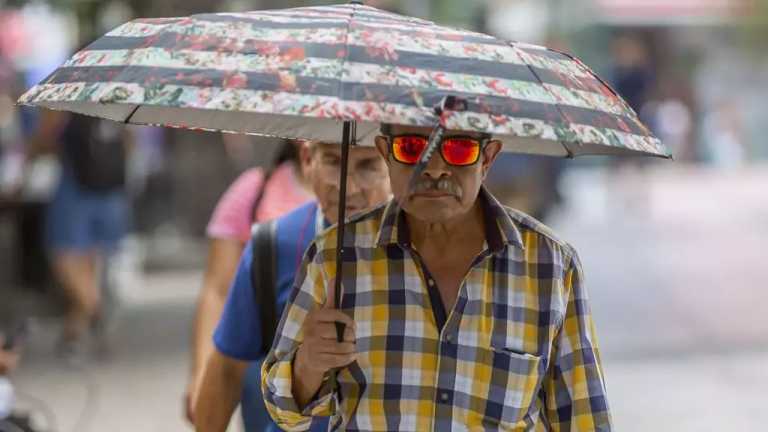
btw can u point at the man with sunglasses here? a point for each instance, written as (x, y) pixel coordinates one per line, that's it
(459, 313)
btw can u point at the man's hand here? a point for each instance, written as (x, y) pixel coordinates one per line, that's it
(321, 351)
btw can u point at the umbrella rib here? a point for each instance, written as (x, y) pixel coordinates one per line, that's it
(128, 119)
(568, 150)
(571, 153)
(610, 88)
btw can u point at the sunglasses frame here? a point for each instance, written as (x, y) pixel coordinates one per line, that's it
(482, 140)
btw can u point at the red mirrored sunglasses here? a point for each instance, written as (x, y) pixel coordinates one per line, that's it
(455, 150)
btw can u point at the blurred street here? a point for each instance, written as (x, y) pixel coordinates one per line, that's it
(673, 251)
(676, 288)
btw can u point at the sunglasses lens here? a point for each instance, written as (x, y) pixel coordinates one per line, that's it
(407, 149)
(461, 151)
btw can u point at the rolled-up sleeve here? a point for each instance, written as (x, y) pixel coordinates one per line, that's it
(574, 387)
(277, 376)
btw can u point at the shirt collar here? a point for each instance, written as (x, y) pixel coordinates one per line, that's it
(500, 229)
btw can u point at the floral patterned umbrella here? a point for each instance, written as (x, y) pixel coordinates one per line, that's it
(301, 73)
(305, 72)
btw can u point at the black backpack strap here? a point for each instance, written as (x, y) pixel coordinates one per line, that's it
(264, 279)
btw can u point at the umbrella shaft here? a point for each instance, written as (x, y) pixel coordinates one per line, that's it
(346, 140)
(345, 143)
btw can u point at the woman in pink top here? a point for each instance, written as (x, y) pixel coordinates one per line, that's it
(235, 212)
(249, 199)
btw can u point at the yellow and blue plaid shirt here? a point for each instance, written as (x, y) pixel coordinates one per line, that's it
(517, 352)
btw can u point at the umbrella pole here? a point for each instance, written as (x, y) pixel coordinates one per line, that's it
(346, 140)
(345, 143)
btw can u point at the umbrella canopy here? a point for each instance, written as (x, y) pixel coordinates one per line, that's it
(301, 73)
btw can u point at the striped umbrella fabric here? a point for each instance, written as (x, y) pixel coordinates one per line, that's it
(302, 72)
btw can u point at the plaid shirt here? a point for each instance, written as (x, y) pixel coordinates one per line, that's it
(518, 351)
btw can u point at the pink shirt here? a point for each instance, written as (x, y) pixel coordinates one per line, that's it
(233, 216)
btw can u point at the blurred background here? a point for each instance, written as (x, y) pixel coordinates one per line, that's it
(673, 251)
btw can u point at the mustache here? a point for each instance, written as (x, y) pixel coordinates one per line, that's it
(439, 185)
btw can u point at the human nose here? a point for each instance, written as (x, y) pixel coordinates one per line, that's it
(436, 167)
(353, 183)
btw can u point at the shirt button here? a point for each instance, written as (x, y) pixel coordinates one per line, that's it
(444, 396)
(449, 338)
(430, 282)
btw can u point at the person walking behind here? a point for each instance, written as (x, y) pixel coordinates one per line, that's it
(257, 195)
(243, 336)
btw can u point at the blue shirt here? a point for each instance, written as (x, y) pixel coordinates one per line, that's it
(238, 334)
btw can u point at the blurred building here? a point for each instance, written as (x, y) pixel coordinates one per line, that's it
(694, 48)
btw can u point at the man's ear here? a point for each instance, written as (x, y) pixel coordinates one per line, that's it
(383, 147)
(490, 153)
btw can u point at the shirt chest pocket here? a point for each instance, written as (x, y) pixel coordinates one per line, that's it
(510, 375)
(514, 361)
(512, 387)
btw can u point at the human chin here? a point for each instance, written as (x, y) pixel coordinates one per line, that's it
(432, 210)
(330, 208)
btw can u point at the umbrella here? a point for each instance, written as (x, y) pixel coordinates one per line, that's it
(309, 72)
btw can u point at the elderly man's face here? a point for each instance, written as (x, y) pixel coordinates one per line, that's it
(444, 191)
(367, 184)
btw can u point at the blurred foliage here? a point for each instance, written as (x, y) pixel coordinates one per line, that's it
(460, 13)
(755, 27)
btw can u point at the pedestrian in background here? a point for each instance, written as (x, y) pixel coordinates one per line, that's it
(86, 218)
(240, 339)
(257, 195)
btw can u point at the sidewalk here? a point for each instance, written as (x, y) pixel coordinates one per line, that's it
(140, 390)
(700, 393)
(140, 387)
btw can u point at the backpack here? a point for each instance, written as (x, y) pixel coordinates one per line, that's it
(264, 270)
(264, 279)
(97, 153)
